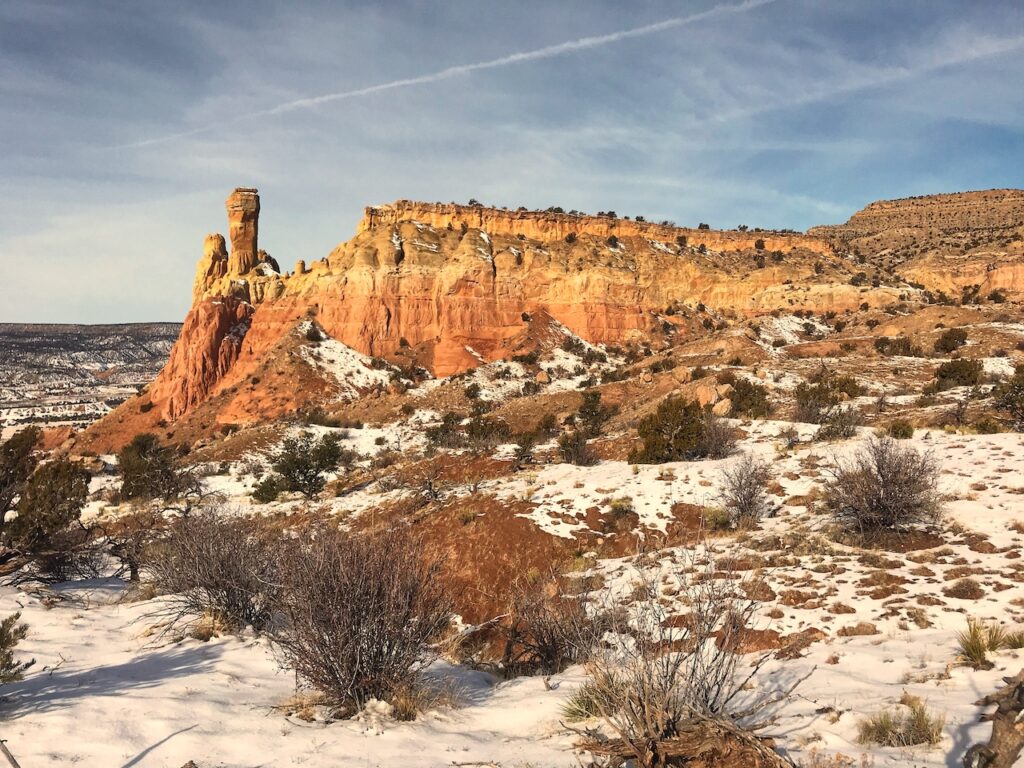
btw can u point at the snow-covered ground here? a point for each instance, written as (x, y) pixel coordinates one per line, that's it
(107, 690)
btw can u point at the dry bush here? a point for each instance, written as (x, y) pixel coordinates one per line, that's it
(840, 424)
(743, 493)
(213, 563)
(360, 613)
(669, 688)
(886, 487)
(547, 630)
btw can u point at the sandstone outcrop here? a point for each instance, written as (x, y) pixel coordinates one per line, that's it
(449, 286)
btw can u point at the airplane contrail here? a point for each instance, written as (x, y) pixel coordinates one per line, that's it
(547, 52)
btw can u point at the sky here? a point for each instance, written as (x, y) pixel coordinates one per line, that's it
(124, 125)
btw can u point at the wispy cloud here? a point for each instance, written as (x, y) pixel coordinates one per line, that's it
(537, 54)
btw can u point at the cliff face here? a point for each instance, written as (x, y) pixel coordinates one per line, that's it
(452, 285)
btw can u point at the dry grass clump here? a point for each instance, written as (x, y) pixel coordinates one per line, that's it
(595, 698)
(905, 727)
(965, 589)
(980, 638)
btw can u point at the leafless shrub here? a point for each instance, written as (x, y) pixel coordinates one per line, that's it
(360, 613)
(546, 629)
(743, 491)
(680, 683)
(214, 563)
(886, 486)
(719, 439)
(840, 424)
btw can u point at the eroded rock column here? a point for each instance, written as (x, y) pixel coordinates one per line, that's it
(243, 228)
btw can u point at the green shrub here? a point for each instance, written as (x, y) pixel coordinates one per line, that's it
(574, 450)
(716, 519)
(446, 434)
(303, 461)
(50, 503)
(267, 490)
(900, 346)
(148, 470)
(958, 373)
(749, 399)
(951, 340)
(591, 416)
(1010, 398)
(900, 429)
(680, 430)
(594, 699)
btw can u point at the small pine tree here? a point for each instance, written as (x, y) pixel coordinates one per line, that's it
(303, 461)
(50, 503)
(17, 462)
(147, 469)
(11, 633)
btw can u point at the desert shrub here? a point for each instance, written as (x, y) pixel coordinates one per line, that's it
(17, 462)
(749, 399)
(680, 430)
(313, 334)
(958, 373)
(546, 630)
(361, 613)
(886, 487)
(905, 727)
(472, 391)
(487, 433)
(148, 469)
(814, 402)
(988, 426)
(840, 424)
(670, 690)
(900, 346)
(217, 564)
(743, 491)
(48, 526)
(900, 429)
(547, 425)
(303, 461)
(572, 446)
(591, 415)
(267, 489)
(12, 633)
(446, 434)
(1010, 399)
(951, 340)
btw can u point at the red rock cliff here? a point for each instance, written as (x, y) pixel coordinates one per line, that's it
(454, 282)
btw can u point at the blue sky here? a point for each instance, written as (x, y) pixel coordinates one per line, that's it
(124, 125)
